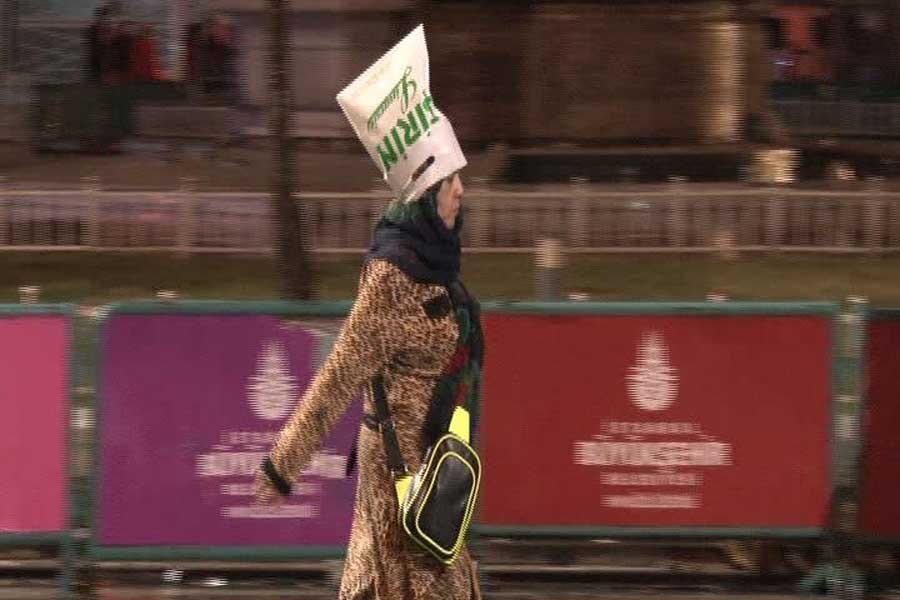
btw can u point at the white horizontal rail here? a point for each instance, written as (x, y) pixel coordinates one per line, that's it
(639, 219)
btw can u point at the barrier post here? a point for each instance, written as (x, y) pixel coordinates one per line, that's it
(69, 553)
(548, 268)
(842, 576)
(848, 443)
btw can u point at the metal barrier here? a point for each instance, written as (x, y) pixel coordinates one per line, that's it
(229, 375)
(696, 386)
(673, 218)
(881, 490)
(36, 387)
(657, 411)
(650, 406)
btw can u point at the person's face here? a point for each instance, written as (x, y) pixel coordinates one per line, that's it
(450, 199)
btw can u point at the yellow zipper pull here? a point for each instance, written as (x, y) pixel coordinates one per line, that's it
(402, 486)
(459, 424)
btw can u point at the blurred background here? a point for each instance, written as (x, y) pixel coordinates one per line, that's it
(619, 129)
(628, 150)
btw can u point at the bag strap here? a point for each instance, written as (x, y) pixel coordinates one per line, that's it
(395, 462)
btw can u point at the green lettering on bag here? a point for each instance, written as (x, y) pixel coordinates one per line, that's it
(420, 111)
(406, 132)
(387, 154)
(404, 90)
(395, 134)
(429, 106)
(411, 131)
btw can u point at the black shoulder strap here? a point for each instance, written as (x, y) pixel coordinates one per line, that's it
(391, 446)
(458, 293)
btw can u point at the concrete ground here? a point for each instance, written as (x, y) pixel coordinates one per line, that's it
(220, 589)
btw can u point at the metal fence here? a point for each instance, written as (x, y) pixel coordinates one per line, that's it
(668, 218)
(844, 118)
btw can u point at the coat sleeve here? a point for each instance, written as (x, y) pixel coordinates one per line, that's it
(372, 335)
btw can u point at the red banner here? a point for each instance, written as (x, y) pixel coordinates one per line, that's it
(656, 421)
(881, 486)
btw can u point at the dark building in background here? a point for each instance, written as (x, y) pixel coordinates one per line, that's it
(846, 43)
(599, 72)
(536, 72)
(522, 72)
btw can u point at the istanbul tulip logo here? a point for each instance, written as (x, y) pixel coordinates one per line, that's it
(272, 390)
(652, 380)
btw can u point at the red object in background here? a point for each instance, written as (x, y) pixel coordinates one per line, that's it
(810, 57)
(145, 63)
(565, 397)
(880, 484)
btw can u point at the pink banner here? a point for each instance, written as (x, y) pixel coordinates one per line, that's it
(33, 423)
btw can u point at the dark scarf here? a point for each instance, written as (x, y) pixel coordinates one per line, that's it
(413, 238)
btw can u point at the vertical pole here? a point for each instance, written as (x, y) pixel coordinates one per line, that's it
(90, 186)
(549, 264)
(848, 440)
(579, 221)
(187, 222)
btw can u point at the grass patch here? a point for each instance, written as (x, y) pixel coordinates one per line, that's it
(96, 278)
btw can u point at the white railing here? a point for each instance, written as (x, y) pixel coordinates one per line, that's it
(844, 118)
(668, 218)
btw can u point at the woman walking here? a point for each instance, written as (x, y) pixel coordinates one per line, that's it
(413, 325)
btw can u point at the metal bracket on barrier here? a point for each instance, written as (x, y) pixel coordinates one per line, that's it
(842, 576)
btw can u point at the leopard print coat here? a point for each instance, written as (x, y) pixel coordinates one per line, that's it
(387, 331)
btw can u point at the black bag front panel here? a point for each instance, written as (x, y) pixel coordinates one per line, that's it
(443, 498)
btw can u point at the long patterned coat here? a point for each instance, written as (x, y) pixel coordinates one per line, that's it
(387, 331)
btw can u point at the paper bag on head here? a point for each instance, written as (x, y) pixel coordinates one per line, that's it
(392, 112)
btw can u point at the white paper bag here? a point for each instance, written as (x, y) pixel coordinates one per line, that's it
(392, 112)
